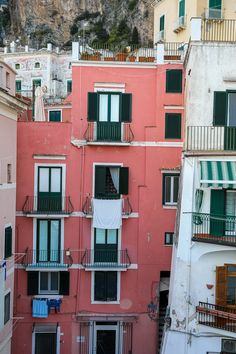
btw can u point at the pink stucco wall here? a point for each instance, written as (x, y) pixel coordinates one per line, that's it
(143, 236)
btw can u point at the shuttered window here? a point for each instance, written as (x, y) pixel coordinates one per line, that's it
(162, 23)
(7, 307)
(217, 226)
(45, 283)
(181, 8)
(173, 126)
(215, 4)
(18, 85)
(8, 242)
(54, 116)
(174, 81)
(221, 286)
(105, 286)
(109, 107)
(111, 181)
(69, 86)
(220, 109)
(226, 285)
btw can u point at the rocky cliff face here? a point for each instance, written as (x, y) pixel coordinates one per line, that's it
(62, 20)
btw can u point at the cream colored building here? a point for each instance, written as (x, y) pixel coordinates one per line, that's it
(172, 17)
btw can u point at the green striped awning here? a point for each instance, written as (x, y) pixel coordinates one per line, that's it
(218, 174)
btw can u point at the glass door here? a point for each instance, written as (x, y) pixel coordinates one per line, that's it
(108, 125)
(48, 241)
(49, 189)
(106, 338)
(45, 343)
(106, 246)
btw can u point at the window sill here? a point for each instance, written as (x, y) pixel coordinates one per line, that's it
(173, 206)
(105, 302)
(49, 296)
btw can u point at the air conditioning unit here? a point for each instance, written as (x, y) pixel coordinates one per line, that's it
(229, 346)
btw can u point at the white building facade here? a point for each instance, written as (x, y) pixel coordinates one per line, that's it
(202, 302)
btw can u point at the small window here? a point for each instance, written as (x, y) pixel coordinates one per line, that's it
(7, 80)
(17, 66)
(7, 302)
(49, 282)
(8, 242)
(69, 66)
(173, 81)
(69, 86)
(54, 116)
(105, 286)
(18, 85)
(170, 189)
(9, 173)
(173, 126)
(37, 65)
(162, 23)
(36, 83)
(169, 238)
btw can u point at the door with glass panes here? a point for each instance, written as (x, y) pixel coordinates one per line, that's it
(48, 241)
(49, 189)
(105, 245)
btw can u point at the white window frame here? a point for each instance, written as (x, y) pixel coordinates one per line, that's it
(50, 292)
(106, 328)
(93, 289)
(171, 175)
(63, 178)
(54, 110)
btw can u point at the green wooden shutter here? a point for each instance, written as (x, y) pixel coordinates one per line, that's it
(220, 108)
(162, 23)
(64, 283)
(54, 116)
(100, 286)
(92, 107)
(173, 126)
(221, 286)
(18, 85)
(174, 81)
(217, 227)
(181, 8)
(126, 107)
(124, 180)
(33, 283)
(100, 181)
(69, 86)
(111, 286)
(8, 242)
(215, 4)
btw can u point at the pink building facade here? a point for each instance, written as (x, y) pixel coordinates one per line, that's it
(96, 204)
(9, 107)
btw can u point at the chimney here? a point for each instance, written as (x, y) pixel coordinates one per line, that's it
(49, 47)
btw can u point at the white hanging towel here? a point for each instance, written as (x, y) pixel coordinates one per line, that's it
(107, 214)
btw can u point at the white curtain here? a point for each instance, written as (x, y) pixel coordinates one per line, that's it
(114, 171)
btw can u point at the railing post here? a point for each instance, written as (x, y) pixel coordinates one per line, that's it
(196, 28)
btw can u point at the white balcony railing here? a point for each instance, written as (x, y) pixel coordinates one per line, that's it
(161, 36)
(213, 14)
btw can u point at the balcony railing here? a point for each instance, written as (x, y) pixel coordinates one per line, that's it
(218, 31)
(47, 205)
(209, 138)
(213, 14)
(180, 24)
(109, 132)
(214, 229)
(173, 51)
(88, 206)
(101, 259)
(47, 259)
(217, 316)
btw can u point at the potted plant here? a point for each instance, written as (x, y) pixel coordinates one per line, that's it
(121, 56)
(95, 56)
(132, 58)
(150, 59)
(84, 56)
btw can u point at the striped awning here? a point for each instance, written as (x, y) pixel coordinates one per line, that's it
(218, 174)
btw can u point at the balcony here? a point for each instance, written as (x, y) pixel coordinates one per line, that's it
(47, 259)
(107, 132)
(213, 14)
(161, 36)
(209, 138)
(218, 30)
(214, 229)
(217, 316)
(88, 207)
(180, 24)
(105, 259)
(47, 205)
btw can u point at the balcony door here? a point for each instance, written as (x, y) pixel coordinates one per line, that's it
(49, 189)
(106, 246)
(48, 241)
(108, 125)
(106, 338)
(45, 343)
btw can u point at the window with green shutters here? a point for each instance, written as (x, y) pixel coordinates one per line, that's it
(7, 307)
(36, 82)
(217, 207)
(111, 182)
(69, 86)
(105, 245)
(109, 110)
(18, 85)
(174, 80)
(162, 23)
(181, 8)
(8, 242)
(54, 116)
(46, 283)
(173, 126)
(215, 4)
(105, 286)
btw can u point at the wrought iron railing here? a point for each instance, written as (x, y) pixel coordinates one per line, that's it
(218, 30)
(47, 258)
(209, 138)
(109, 132)
(47, 205)
(217, 316)
(105, 259)
(214, 228)
(87, 207)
